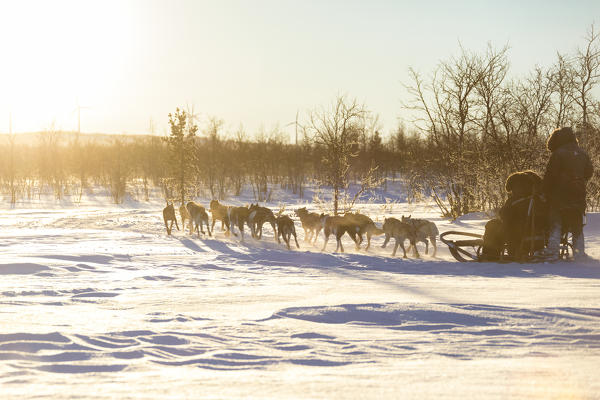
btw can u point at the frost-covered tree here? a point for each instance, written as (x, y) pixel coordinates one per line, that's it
(181, 150)
(337, 130)
(586, 74)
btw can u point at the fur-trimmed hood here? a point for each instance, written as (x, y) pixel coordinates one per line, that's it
(567, 172)
(560, 137)
(524, 183)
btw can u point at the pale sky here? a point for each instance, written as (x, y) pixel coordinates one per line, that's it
(250, 62)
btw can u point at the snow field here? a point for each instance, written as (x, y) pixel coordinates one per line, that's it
(98, 302)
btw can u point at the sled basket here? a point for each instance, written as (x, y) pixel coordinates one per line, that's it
(457, 246)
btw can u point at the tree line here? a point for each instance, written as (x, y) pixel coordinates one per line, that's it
(473, 124)
(480, 125)
(192, 162)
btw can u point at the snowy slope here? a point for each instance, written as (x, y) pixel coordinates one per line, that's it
(97, 302)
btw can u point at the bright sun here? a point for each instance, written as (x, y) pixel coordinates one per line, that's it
(59, 53)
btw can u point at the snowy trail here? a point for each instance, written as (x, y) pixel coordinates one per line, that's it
(101, 297)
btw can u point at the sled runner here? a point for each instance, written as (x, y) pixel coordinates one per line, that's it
(457, 247)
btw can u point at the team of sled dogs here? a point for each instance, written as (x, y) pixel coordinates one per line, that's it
(254, 216)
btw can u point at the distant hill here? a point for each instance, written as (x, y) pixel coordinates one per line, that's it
(33, 138)
(65, 137)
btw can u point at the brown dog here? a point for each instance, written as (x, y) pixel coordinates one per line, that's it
(238, 216)
(311, 223)
(198, 216)
(364, 225)
(338, 226)
(285, 229)
(394, 228)
(185, 215)
(219, 212)
(169, 216)
(258, 216)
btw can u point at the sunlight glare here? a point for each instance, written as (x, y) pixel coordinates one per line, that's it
(67, 52)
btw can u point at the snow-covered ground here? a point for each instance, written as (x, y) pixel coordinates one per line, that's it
(96, 301)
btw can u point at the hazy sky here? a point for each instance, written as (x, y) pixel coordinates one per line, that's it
(249, 62)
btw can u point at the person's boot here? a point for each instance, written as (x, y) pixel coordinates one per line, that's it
(579, 248)
(552, 250)
(547, 254)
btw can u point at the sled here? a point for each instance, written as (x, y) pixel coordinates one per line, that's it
(457, 247)
(470, 250)
(468, 247)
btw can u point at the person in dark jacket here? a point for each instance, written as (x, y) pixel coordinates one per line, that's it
(567, 173)
(521, 224)
(524, 214)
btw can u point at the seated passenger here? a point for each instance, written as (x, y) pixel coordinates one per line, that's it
(521, 225)
(524, 214)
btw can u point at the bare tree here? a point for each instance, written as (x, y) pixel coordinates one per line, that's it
(50, 161)
(237, 156)
(337, 130)
(12, 170)
(586, 73)
(450, 105)
(119, 170)
(209, 160)
(563, 81)
(480, 127)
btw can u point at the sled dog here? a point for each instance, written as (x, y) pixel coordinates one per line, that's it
(219, 212)
(363, 225)
(238, 216)
(198, 216)
(258, 216)
(185, 215)
(311, 223)
(423, 230)
(394, 228)
(169, 216)
(338, 226)
(285, 229)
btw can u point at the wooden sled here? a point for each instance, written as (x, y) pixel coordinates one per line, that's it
(457, 246)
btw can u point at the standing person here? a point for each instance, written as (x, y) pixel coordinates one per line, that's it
(567, 173)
